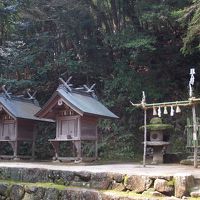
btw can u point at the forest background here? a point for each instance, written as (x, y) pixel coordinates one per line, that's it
(124, 46)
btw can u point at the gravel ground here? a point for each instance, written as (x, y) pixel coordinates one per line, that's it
(129, 169)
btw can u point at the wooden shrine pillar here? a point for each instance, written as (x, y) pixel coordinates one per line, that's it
(55, 145)
(33, 143)
(96, 149)
(14, 145)
(195, 135)
(77, 145)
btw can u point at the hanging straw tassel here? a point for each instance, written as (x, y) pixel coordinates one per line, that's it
(178, 110)
(154, 111)
(172, 111)
(165, 110)
(159, 112)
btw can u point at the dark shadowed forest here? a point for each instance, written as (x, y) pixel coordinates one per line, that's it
(124, 46)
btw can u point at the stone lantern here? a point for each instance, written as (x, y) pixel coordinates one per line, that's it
(158, 138)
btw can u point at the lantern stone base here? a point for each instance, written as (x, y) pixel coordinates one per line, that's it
(157, 150)
(157, 155)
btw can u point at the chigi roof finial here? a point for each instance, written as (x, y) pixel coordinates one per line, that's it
(29, 94)
(89, 89)
(6, 91)
(66, 83)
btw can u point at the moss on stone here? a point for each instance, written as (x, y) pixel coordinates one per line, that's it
(171, 182)
(120, 193)
(37, 184)
(60, 181)
(127, 194)
(47, 185)
(157, 127)
(125, 179)
(156, 120)
(8, 190)
(187, 162)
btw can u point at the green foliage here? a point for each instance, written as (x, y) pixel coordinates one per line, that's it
(129, 39)
(125, 46)
(191, 18)
(119, 147)
(44, 133)
(177, 144)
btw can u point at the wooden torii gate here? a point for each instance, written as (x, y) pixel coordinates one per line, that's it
(191, 102)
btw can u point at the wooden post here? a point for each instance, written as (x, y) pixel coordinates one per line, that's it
(33, 148)
(96, 145)
(15, 149)
(33, 143)
(77, 144)
(96, 149)
(14, 145)
(55, 145)
(194, 135)
(145, 137)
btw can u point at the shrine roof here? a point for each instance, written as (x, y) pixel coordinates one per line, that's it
(80, 101)
(20, 107)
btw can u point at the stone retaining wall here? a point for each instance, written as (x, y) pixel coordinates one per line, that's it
(178, 186)
(24, 192)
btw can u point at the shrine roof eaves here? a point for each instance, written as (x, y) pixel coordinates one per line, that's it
(81, 102)
(21, 107)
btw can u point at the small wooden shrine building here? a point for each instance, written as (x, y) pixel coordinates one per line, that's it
(17, 121)
(76, 111)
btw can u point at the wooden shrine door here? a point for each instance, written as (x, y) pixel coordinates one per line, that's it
(68, 128)
(7, 130)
